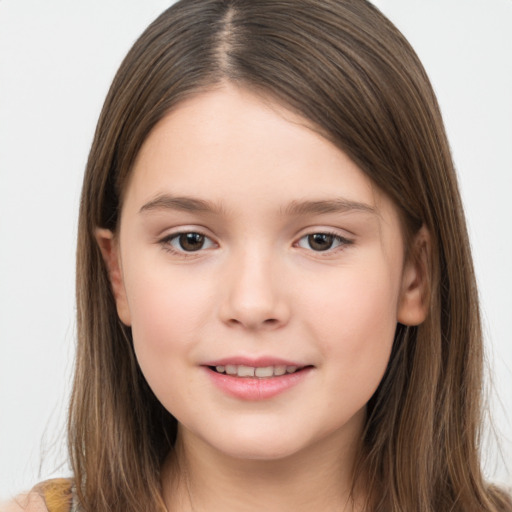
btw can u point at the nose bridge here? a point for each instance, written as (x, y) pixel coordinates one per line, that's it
(254, 297)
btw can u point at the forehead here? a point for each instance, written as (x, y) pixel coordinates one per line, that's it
(243, 151)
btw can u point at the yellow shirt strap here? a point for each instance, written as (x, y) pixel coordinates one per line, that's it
(57, 494)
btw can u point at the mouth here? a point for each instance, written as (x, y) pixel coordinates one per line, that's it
(256, 380)
(260, 372)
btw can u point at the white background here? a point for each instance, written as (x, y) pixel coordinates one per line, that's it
(57, 59)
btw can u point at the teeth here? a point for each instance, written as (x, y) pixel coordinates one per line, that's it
(267, 371)
(279, 370)
(245, 371)
(231, 369)
(251, 371)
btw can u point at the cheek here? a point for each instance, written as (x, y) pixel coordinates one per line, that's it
(167, 313)
(355, 302)
(355, 325)
(162, 298)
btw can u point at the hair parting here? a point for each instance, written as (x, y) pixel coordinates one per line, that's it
(348, 71)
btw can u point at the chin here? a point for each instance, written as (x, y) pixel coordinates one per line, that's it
(258, 443)
(261, 450)
(251, 442)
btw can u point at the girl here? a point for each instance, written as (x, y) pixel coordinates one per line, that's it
(276, 301)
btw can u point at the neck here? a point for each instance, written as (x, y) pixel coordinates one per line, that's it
(198, 478)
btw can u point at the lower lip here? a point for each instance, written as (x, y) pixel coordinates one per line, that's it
(253, 388)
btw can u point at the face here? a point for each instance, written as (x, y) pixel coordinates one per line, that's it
(262, 275)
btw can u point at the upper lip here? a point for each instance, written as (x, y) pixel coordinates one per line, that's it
(256, 362)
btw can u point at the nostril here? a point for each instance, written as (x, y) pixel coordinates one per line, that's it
(269, 322)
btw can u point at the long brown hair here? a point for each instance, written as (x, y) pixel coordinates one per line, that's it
(343, 66)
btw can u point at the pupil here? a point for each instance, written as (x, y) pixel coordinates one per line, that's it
(191, 241)
(320, 241)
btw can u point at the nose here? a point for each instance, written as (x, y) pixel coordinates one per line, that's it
(255, 295)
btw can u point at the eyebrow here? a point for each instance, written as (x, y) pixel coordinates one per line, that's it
(181, 203)
(337, 205)
(294, 208)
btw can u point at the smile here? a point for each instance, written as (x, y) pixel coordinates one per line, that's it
(262, 372)
(258, 382)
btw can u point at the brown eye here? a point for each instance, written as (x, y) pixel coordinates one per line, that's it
(188, 242)
(191, 241)
(320, 241)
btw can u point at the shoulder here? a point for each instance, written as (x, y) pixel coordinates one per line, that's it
(49, 496)
(29, 502)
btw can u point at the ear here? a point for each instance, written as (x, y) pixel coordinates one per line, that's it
(109, 247)
(414, 300)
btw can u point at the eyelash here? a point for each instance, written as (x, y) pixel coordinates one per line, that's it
(166, 243)
(342, 242)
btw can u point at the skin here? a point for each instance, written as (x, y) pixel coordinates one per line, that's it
(258, 287)
(31, 502)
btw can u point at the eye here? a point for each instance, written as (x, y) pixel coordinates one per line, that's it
(188, 242)
(321, 242)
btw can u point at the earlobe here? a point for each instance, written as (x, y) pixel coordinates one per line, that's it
(109, 248)
(415, 291)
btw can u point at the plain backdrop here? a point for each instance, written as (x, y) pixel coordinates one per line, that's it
(57, 59)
